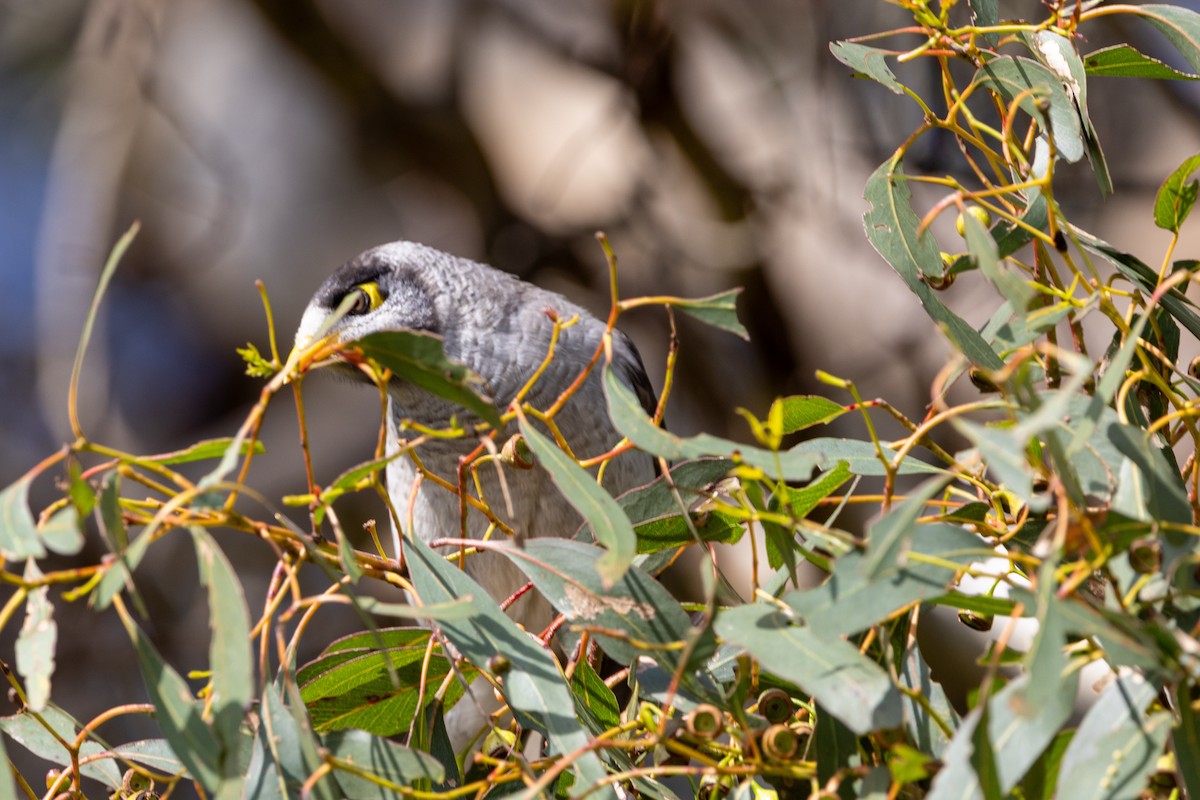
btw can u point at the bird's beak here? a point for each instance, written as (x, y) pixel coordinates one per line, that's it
(300, 359)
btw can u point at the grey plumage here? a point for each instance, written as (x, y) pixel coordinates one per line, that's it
(501, 328)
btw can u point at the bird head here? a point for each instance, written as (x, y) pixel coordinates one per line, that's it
(379, 290)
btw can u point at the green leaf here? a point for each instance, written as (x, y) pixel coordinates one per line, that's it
(1181, 26)
(1177, 196)
(985, 14)
(1058, 54)
(229, 652)
(608, 522)
(31, 734)
(844, 681)
(860, 457)
(154, 753)
(630, 419)
(852, 600)
(1117, 744)
(285, 752)
(922, 718)
(983, 249)
(206, 449)
(870, 62)
(891, 227)
(179, 715)
(718, 310)
(18, 533)
(36, 642)
(417, 357)
(637, 605)
(8, 783)
(676, 530)
(801, 502)
(534, 687)
(888, 537)
(1145, 279)
(1013, 77)
(396, 764)
(594, 697)
(112, 524)
(1124, 61)
(805, 410)
(374, 682)
(1165, 495)
(89, 322)
(62, 533)
(1006, 458)
(1186, 739)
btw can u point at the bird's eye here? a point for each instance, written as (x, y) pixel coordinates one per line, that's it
(367, 297)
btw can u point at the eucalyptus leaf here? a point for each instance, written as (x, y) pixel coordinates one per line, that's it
(564, 571)
(1126, 61)
(870, 62)
(1177, 196)
(1180, 25)
(18, 532)
(178, 713)
(31, 733)
(844, 681)
(1012, 77)
(373, 681)
(229, 650)
(1117, 744)
(630, 419)
(35, 645)
(534, 687)
(418, 358)
(605, 516)
(381, 759)
(718, 310)
(891, 226)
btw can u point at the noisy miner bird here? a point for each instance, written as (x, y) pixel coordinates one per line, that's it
(500, 327)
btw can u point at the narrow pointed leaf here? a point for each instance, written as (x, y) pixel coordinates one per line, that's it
(204, 450)
(31, 734)
(630, 419)
(388, 761)
(418, 357)
(891, 226)
(1125, 61)
(804, 411)
(1013, 77)
(870, 62)
(179, 714)
(1180, 25)
(636, 605)
(718, 310)
(229, 651)
(18, 532)
(1116, 746)
(36, 642)
(844, 681)
(1177, 196)
(608, 522)
(534, 687)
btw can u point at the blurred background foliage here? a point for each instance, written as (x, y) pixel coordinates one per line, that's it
(717, 144)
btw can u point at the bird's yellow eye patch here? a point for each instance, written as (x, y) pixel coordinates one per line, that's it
(367, 297)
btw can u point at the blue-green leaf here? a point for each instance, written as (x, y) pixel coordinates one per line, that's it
(608, 522)
(891, 226)
(844, 681)
(1177, 196)
(867, 61)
